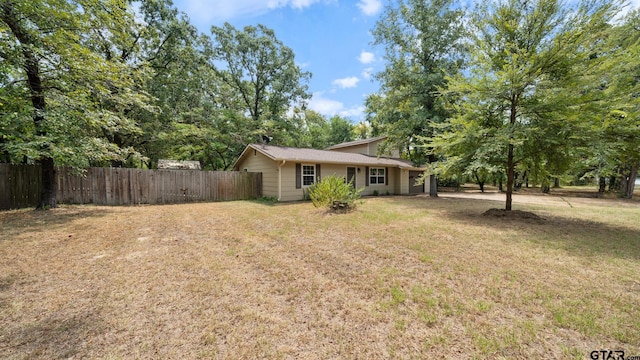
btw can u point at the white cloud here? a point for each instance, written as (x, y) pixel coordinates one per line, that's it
(330, 107)
(366, 73)
(348, 82)
(325, 106)
(356, 112)
(200, 11)
(370, 7)
(296, 4)
(366, 57)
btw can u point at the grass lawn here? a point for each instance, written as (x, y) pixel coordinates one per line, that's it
(402, 277)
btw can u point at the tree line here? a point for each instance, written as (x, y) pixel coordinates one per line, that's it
(517, 90)
(125, 83)
(510, 90)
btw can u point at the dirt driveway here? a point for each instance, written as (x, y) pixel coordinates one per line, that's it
(559, 200)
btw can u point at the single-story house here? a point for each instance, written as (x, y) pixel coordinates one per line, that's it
(287, 172)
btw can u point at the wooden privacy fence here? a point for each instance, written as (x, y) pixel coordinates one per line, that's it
(20, 186)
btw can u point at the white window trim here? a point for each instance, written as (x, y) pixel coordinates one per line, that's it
(313, 166)
(384, 182)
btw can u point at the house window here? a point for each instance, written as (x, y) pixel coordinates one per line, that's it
(377, 176)
(308, 175)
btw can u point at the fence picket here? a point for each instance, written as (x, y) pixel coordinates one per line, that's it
(20, 186)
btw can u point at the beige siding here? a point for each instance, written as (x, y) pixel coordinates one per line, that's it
(427, 183)
(369, 149)
(289, 191)
(257, 162)
(373, 150)
(361, 177)
(398, 179)
(338, 170)
(381, 188)
(399, 175)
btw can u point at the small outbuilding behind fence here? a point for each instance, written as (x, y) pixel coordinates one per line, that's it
(178, 164)
(20, 186)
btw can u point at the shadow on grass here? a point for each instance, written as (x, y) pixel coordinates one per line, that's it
(16, 221)
(555, 229)
(54, 337)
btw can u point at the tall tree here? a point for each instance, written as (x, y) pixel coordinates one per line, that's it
(262, 70)
(191, 99)
(523, 54)
(341, 130)
(616, 151)
(423, 44)
(54, 75)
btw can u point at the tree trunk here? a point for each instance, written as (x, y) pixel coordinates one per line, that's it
(631, 184)
(556, 182)
(480, 183)
(433, 180)
(31, 67)
(510, 178)
(511, 166)
(612, 182)
(623, 182)
(602, 182)
(545, 187)
(49, 186)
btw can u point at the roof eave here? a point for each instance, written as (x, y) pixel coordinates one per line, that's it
(244, 152)
(355, 143)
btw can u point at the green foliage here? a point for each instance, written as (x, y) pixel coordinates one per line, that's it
(113, 83)
(521, 104)
(262, 73)
(334, 190)
(313, 130)
(613, 72)
(61, 97)
(341, 130)
(267, 200)
(423, 43)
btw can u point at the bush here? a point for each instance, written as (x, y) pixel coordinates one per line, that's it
(333, 192)
(268, 200)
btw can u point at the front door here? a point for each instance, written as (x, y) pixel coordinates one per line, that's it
(351, 176)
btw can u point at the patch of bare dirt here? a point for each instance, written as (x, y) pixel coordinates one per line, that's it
(514, 215)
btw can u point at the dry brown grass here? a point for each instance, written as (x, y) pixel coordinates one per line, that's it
(401, 277)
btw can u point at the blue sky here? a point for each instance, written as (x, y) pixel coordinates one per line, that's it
(330, 38)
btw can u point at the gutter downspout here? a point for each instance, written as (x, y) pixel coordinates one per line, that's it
(280, 179)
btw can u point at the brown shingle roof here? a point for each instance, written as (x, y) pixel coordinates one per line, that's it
(279, 153)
